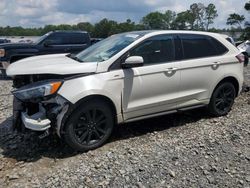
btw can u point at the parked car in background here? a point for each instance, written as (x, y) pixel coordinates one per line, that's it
(245, 49)
(241, 48)
(95, 40)
(51, 43)
(237, 43)
(229, 39)
(124, 78)
(26, 41)
(4, 41)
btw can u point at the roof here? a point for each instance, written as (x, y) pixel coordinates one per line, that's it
(70, 31)
(155, 32)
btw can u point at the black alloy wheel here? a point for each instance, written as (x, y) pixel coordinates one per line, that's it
(222, 99)
(89, 126)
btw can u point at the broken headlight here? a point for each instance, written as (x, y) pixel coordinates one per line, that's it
(37, 91)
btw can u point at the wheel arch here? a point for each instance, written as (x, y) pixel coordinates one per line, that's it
(73, 107)
(98, 97)
(232, 80)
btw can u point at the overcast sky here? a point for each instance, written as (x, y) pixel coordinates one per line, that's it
(34, 13)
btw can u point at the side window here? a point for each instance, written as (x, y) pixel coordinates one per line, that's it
(157, 49)
(197, 46)
(178, 48)
(56, 38)
(76, 38)
(221, 49)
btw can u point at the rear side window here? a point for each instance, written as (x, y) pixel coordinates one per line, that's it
(76, 38)
(157, 49)
(68, 38)
(221, 49)
(198, 46)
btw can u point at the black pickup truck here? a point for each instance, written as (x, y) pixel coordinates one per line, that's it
(51, 43)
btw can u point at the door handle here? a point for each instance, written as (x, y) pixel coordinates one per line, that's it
(171, 71)
(215, 65)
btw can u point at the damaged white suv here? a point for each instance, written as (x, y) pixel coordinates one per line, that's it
(126, 77)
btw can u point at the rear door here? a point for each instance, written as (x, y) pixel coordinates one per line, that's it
(200, 68)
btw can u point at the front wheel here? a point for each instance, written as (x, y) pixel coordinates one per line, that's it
(89, 126)
(222, 99)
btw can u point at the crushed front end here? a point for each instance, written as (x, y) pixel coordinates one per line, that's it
(36, 104)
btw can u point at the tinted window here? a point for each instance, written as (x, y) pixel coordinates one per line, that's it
(221, 49)
(196, 46)
(67, 38)
(76, 38)
(55, 38)
(155, 50)
(178, 48)
(42, 38)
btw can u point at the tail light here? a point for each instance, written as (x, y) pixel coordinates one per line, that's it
(241, 58)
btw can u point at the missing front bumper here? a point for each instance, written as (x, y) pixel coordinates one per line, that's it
(34, 122)
(37, 121)
(45, 115)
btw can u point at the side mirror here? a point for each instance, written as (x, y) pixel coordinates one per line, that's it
(47, 43)
(133, 61)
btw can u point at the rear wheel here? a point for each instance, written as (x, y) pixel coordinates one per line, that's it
(89, 126)
(222, 99)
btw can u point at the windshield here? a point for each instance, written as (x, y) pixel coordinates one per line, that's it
(107, 48)
(40, 39)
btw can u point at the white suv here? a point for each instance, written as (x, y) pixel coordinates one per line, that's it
(124, 78)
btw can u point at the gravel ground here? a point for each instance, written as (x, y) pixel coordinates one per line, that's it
(187, 149)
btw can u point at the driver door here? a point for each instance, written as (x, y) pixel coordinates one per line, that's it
(153, 87)
(55, 44)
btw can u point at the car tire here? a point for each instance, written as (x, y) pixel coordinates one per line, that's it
(222, 99)
(89, 126)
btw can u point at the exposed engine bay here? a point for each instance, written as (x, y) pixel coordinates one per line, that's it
(40, 111)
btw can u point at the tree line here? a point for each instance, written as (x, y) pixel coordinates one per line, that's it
(237, 21)
(197, 17)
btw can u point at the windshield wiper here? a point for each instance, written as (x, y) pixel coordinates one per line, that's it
(74, 57)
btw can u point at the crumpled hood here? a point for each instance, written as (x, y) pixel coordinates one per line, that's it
(50, 64)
